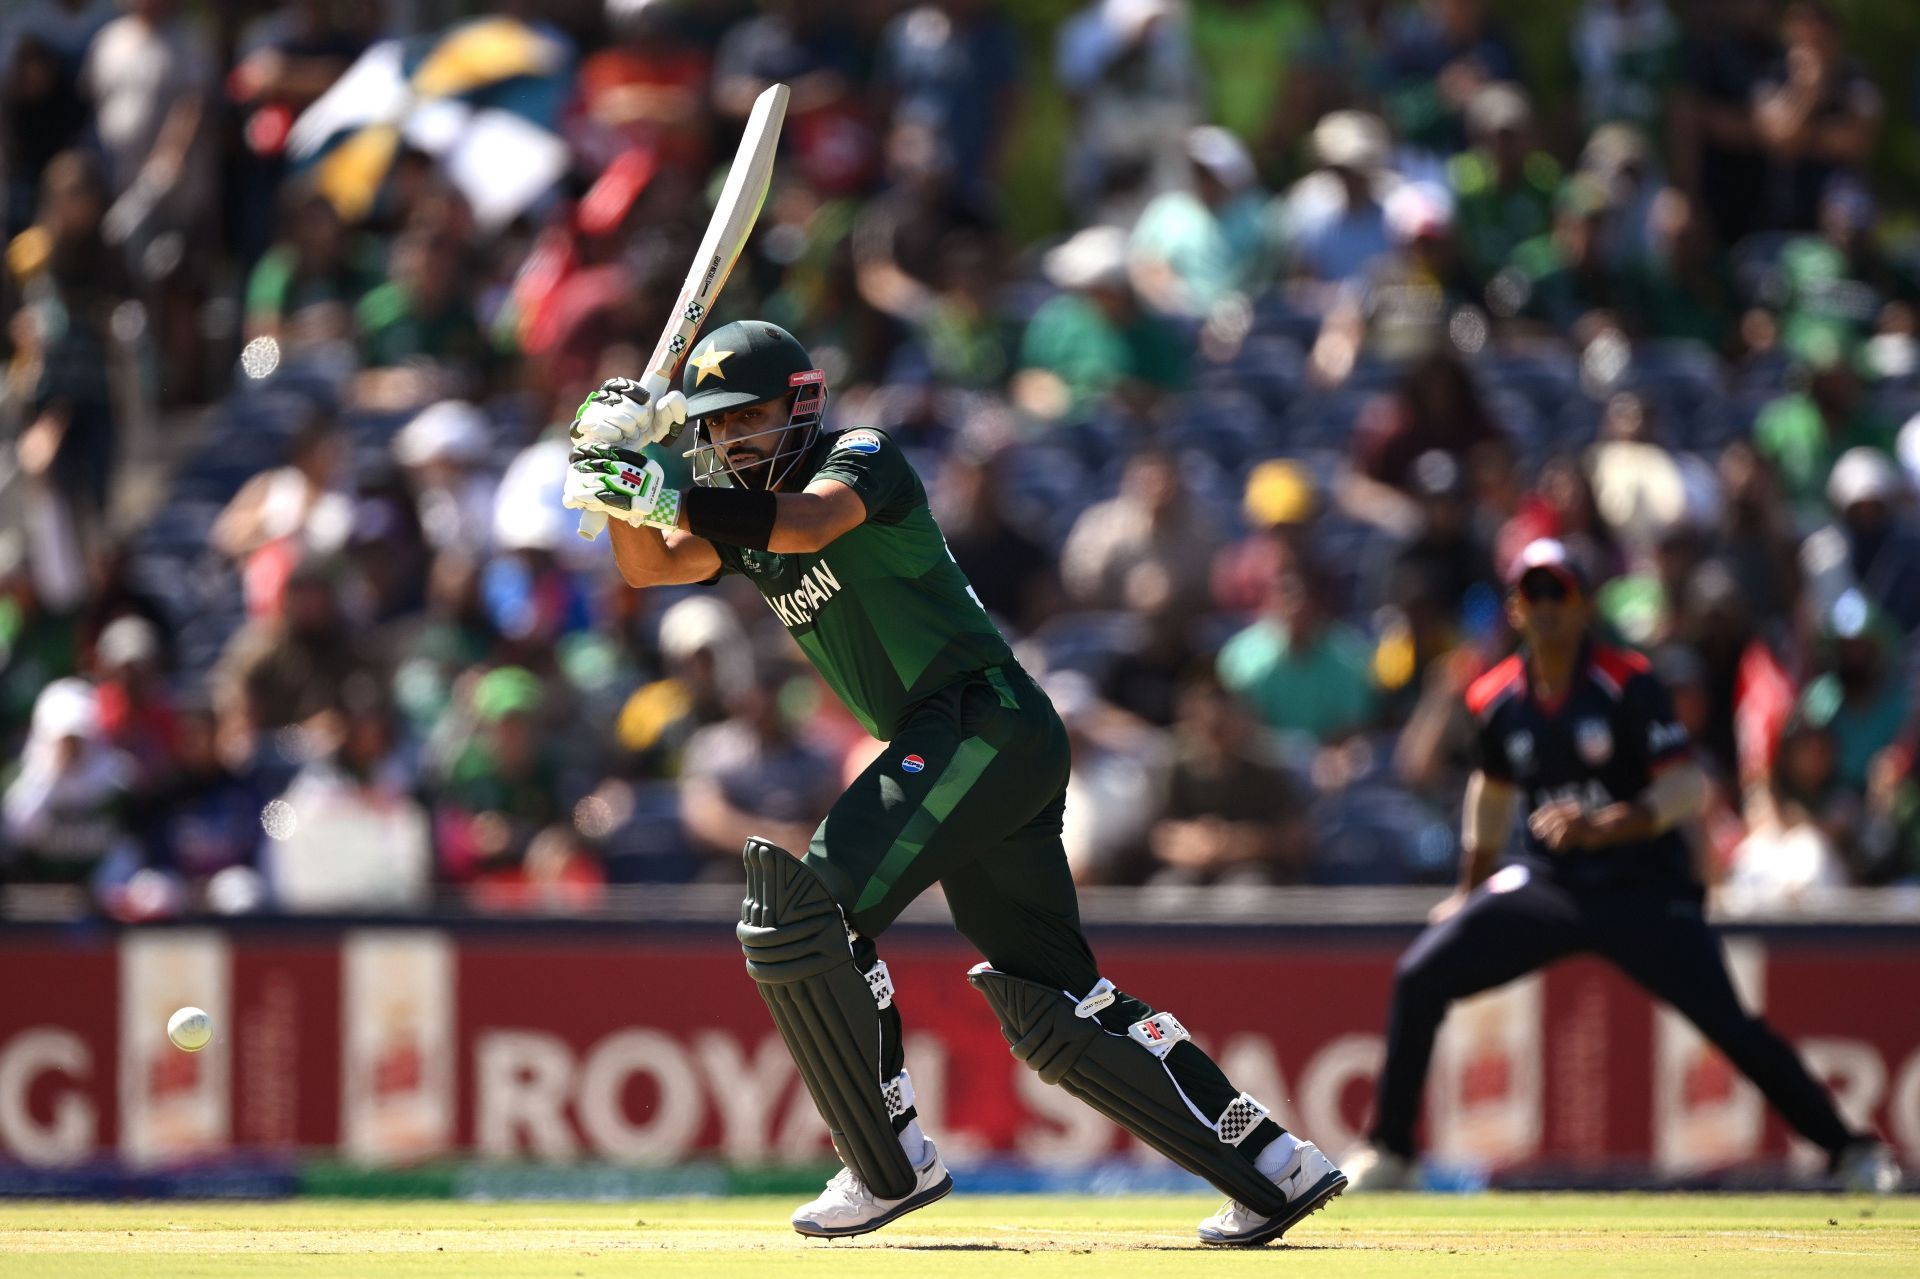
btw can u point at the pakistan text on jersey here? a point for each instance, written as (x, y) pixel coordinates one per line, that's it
(799, 606)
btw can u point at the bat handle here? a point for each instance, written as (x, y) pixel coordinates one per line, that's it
(591, 522)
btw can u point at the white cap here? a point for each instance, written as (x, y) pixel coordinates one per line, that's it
(127, 639)
(1498, 106)
(1862, 475)
(703, 622)
(1125, 18)
(1351, 140)
(451, 429)
(66, 708)
(1220, 152)
(1414, 209)
(1093, 258)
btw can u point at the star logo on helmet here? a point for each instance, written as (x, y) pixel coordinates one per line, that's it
(708, 362)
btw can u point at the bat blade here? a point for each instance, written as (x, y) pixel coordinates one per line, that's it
(727, 231)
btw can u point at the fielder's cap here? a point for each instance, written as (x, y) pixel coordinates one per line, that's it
(1547, 555)
(1221, 154)
(1090, 259)
(1351, 140)
(1862, 475)
(1498, 108)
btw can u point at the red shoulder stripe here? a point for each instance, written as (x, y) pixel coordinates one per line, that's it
(1617, 666)
(1491, 687)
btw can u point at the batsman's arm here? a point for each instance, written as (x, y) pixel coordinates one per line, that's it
(1486, 820)
(648, 557)
(783, 523)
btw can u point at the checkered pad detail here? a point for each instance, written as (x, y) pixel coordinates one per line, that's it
(1242, 1115)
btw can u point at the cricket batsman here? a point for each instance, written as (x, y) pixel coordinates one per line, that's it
(1586, 737)
(835, 532)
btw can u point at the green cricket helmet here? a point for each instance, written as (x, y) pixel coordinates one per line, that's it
(752, 362)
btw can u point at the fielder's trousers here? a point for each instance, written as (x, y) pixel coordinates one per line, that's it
(1658, 939)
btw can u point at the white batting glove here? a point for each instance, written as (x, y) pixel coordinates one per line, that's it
(619, 415)
(622, 485)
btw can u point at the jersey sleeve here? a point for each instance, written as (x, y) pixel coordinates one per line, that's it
(873, 466)
(1648, 717)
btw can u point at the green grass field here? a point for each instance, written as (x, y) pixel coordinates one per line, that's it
(1487, 1235)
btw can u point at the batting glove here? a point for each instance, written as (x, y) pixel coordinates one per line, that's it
(622, 485)
(619, 415)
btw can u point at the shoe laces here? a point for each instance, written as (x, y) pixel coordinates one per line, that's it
(848, 1186)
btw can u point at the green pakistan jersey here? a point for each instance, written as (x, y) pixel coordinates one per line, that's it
(882, 612)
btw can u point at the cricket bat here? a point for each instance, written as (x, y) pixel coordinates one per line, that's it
(732, 222)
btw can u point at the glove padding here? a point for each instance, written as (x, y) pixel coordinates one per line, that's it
(619, 415)
(621, 484)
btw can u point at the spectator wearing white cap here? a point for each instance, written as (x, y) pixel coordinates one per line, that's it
(1870, 545)
(1129, 68)
(66, 813)
(136, 713)
(1095, 338)
(1400, 307)
(445, 451)
(1195, 245)
(1333, 222)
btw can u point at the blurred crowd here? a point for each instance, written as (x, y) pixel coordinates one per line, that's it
(1240, 343)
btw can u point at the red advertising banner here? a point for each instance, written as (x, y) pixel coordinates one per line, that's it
(387, 1046)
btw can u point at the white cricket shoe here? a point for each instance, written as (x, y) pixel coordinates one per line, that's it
(1309, 1181)
(1867, 1168)
(846, 1207)
(1370, 1169)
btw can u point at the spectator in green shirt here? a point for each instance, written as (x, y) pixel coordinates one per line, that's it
(1561, 278)
(422, 312)
(1302, 671)
(1503, 188)
(1193, 247)
(1095, 339)
(306, 285)
(1832, 287)
(1802, 434)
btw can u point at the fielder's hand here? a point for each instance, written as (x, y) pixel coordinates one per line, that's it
(618, 415)
(622, 485)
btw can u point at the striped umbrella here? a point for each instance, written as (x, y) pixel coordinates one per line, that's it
(483, 98)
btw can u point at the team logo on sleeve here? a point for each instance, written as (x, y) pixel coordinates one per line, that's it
(861, 441)
(912, 764)
(1594, 740)
(1520, 750)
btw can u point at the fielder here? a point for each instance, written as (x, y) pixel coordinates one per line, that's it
(835, 532)
(1585, 734)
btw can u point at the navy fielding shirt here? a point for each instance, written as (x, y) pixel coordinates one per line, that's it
(1602, 743)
